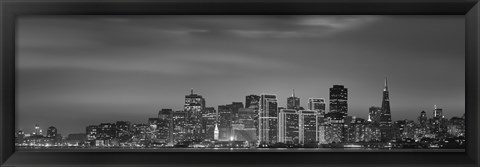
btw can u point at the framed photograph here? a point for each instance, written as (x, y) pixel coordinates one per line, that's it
(212, 83)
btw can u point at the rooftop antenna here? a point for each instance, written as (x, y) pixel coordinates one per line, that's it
(293, 93)
(191, 91)
(386, 88)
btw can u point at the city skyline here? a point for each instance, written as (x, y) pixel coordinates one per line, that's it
(278, 108)
(263, 124)
(75, 71)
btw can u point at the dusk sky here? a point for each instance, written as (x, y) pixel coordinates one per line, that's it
(75, 71)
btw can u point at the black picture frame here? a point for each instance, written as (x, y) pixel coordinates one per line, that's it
(11, 9)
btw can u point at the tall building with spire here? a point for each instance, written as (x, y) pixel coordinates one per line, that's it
(385, 117)
(293, 102)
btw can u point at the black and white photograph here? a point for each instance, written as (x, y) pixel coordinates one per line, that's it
(240, 82)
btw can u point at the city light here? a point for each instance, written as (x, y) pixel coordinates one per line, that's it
(261, 123)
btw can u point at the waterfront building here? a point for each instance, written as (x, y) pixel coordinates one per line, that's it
(165, 126)
(268, 119)
(308, 126)
(288, 126)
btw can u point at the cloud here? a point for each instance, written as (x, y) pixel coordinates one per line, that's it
(182, 32)
(167, 63)
(268, 33)
(337, 22)
(308, 27)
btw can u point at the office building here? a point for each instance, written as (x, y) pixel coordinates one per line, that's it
(268, 119)
(293, 102)
(165, 126)
(317, 104)
(308, 126)
(374, 114)
(288, 126)
(338, 102)
(194, 105)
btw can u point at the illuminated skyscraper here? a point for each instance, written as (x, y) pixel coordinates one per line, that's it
(308, 126)
(244, 128)
(227, 114)
(179, 126)
(317, 104)
(165, 126)
(293, 102)
(437, 112)
(253, 102)
(374, 113)
(385, 116)
(224, 122)
(268, 119)
(422, 119)
(194, 105)
(439, 121)
(209, 120)
(236, 106)
(338, 102)
(288, 130)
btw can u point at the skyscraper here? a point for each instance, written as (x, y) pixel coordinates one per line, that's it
(224, 121)
(194, 105)
(385, 117)
(252, 101)
(293, 102)
(235, 107)
(338, 102)
(386, 128)
(179, 126)
(268, 119)
(165, 126)
(422, 119)
(209, 120)
(374, 114)
(308, 126)
(437, 112)
(244, 128)
(439, 121)
(317, 104)
(288, 130)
